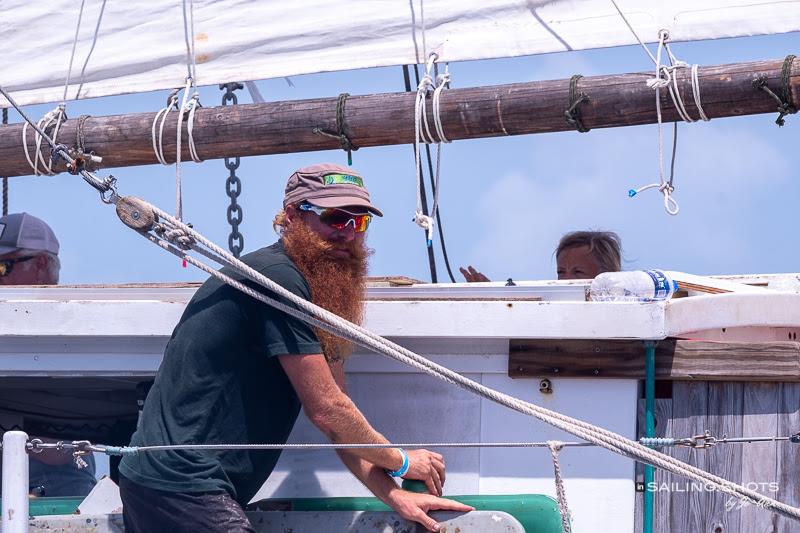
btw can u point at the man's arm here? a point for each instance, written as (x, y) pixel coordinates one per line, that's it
(330, 409)
(409, 505)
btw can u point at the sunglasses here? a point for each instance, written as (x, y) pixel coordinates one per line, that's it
(7, 265)
(339, 218)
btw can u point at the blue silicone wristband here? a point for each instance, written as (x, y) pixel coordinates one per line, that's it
(403, 469)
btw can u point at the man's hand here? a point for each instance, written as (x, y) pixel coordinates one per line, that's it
(472, 275)
(413, 506)
(428, 467)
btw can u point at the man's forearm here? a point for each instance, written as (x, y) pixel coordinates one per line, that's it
(343, 423)
(373, 477)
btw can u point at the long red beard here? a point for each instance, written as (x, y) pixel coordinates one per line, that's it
(336, 284)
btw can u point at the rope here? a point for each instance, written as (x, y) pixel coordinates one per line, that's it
(72, 55)
(422, 133)
(555, 447)
(52, 119)
(316, 316)
(573, 112)
(158, 145)
(341, 134)
(662, 79)
(785, 105)
(188, 35)
(188, 105)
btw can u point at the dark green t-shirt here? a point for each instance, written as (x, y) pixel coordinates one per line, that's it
(220, 383)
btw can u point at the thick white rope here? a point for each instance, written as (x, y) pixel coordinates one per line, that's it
(52, 118)
(561, 493)
(158, 136)
(330, 322)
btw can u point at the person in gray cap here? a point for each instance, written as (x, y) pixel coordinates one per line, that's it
(29, 256)
(28, 251)
(238, 371)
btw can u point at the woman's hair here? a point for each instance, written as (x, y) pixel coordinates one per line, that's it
(605, 246)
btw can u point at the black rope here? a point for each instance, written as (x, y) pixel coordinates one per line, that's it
(785, 105)
(341, 132)
(573, 112)
(5, 180)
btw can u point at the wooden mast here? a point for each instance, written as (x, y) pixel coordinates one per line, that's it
(387, 119)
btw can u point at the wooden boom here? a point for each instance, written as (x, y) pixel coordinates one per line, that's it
(387, 119)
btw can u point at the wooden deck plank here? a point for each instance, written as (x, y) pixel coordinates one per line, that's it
(759, 460)
(788, 466)
(676, 359)
(725, 404)
(689, 408)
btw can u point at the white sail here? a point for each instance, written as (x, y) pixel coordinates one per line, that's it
(125, 47)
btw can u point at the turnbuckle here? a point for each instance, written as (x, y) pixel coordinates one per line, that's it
(706, 440)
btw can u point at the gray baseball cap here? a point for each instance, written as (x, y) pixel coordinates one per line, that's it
(328, 185)
(22, 231)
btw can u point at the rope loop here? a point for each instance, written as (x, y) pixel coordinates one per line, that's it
(50, 122)
(342, 131)
(422, 134)
(785, 104)
(573, 112)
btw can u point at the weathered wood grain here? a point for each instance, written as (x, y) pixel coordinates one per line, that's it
(387, 119)
(759, 460)
(676, 359)
(689, 505)
(725, 407)
(788, 463)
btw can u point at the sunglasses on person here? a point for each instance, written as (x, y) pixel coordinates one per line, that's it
(7, 265)
(339, 218)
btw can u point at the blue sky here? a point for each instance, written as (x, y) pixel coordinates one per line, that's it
(505, 202)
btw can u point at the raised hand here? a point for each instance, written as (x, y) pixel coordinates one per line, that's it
(472, 275)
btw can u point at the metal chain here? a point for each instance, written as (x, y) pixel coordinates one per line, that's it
(5, 180)
(233, 185)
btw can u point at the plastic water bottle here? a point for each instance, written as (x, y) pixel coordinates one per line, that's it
(632, 286)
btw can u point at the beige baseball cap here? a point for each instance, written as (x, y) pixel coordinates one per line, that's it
(328, 185)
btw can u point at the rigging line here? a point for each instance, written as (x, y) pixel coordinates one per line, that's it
(636, 35)
(421, 184)
(91, 49)
(72, 55)
(188, 27)
(133, 450)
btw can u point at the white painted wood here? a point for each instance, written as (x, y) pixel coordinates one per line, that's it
(599, 484)
(697, 313)
(15, 483)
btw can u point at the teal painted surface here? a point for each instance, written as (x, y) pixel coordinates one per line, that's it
(536, 512)
(53, 506)
(649, 431)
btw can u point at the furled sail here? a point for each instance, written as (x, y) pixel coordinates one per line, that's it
(124, 47)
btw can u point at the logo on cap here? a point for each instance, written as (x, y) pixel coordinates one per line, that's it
(343, 179)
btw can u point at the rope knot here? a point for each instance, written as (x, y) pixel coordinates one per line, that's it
(425, 222)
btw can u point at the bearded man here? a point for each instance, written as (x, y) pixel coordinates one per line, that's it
(237, 371)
